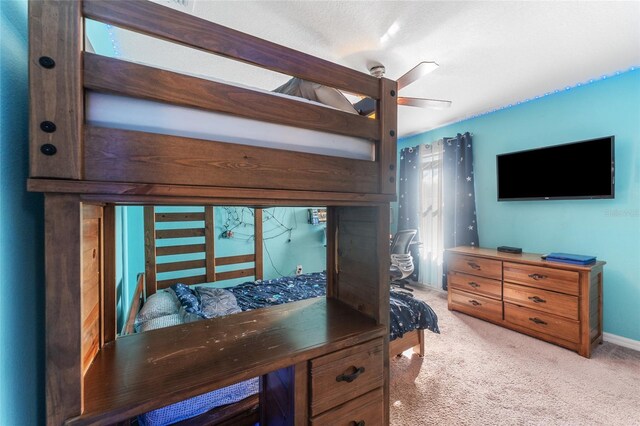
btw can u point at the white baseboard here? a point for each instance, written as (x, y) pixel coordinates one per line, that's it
(621, 341)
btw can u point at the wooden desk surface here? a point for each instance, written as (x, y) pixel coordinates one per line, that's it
(145, 371)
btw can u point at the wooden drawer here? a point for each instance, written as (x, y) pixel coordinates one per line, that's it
(542, 322)
(551, 302)
(558, 280)
(476, 305)
(365, 410)
(345, 375)
(477, 285)
(475, 266)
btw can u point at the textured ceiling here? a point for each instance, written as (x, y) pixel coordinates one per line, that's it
(491, 54)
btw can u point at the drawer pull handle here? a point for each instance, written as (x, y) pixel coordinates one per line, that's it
(350, 377)
(537, 276)
(474, 284)
(475, 302)
(537, 321)
(474, 265)
(360, 423)
(536, 299)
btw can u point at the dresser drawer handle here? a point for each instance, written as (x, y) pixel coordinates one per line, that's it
(537, 276)
(475, 302)
(536, 299)
(354, 423)
(474, 284)
(474, 265)
(350, 377)
(537, 321)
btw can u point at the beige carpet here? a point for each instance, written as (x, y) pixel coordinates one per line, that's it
(476, 373)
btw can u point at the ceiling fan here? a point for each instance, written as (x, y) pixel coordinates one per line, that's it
(367, 106)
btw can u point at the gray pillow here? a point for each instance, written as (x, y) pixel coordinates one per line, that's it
(160, 304)
(161, 322)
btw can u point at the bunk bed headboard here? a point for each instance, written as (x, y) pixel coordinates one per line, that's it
(170, 228)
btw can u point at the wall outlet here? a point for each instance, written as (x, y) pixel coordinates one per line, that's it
(298, 269)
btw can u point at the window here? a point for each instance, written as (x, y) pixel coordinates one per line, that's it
(431, 258)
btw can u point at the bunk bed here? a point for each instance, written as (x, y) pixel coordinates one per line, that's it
(322, 360)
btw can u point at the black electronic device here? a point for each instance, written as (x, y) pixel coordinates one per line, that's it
(575, 170)
(507, 249)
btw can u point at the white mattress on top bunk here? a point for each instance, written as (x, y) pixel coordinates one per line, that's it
(121, 112)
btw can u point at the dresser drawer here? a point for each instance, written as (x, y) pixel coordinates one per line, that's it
(476, 305)
(366, 410)
(345, 375)
(542, 322)
(477, 285)
(551, 302)
(487, 268)
(544, 278)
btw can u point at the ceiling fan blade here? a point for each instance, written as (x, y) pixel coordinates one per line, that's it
(365, 106)
(417, 72)
(424, 103)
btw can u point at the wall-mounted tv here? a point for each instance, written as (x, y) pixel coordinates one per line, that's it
(575, 170)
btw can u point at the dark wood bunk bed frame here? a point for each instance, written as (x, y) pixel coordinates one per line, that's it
(314, 351)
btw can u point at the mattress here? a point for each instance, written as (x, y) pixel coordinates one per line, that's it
(122, 112)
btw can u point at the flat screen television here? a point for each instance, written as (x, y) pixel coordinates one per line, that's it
(575, 170)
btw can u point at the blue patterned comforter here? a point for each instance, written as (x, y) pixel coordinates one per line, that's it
(407, 312)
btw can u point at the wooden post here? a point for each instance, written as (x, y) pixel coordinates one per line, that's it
(332, 252)
(109, 323)
(384, 262)
(209, 241)
(257, 240)
(56, 36)
(387, 149)
(63, 225)
(149, 250)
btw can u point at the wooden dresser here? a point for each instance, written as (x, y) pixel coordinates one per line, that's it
(557, 302)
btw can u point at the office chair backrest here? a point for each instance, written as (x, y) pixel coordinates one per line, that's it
(402, 240)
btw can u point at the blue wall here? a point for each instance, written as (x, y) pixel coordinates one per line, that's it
(608, 229)
(21, 237)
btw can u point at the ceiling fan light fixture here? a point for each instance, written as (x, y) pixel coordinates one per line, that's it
(377, 71)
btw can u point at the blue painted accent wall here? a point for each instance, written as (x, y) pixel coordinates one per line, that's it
(21, 236)
(608, 229)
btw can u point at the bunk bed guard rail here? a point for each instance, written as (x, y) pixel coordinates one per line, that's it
(64, 146)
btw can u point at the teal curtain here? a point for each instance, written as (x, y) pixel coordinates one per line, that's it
(409, 199)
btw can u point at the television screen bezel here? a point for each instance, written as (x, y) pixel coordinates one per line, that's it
(612, 194)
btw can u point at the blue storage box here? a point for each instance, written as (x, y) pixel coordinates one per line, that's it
(575, 259)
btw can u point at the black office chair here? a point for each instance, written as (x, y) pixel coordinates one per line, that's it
(401, 259)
